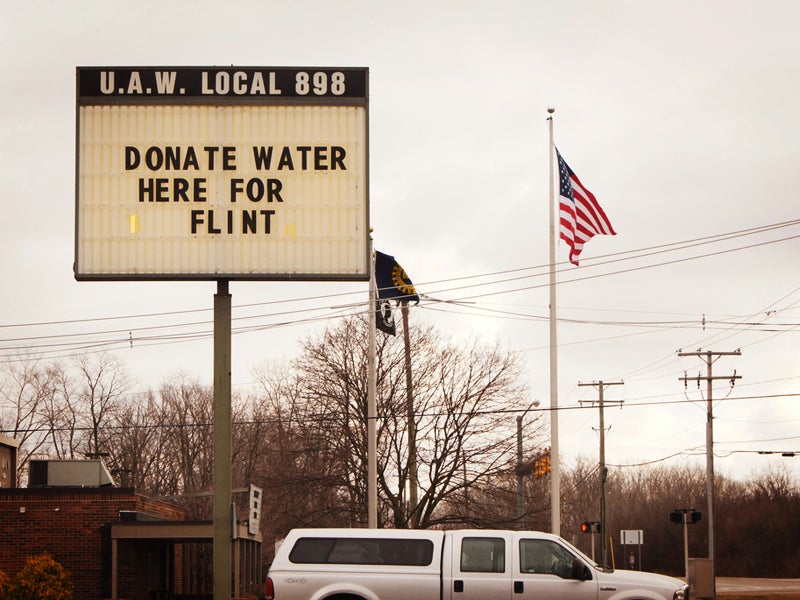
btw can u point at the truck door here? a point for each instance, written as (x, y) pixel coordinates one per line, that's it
(543, 568)
(480, 566)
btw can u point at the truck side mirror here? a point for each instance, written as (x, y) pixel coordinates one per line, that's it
(580, 571)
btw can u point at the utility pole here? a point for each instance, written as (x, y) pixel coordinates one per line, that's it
(520, 481)
(413, 481)
(710, 357)
(601, 386)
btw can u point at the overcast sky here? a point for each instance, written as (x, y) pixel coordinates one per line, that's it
(680, 116)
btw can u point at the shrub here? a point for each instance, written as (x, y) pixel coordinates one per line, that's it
(42, 578)
(5, 584)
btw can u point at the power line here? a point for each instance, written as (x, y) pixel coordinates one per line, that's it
(429, 414)
(638, 253)
(123, 337)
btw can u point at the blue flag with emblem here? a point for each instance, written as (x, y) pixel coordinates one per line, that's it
(393, 283)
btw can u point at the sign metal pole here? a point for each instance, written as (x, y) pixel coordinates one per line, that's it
(223, 513)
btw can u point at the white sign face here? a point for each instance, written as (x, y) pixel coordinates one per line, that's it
(631, 537)
(222, 174)
(254, 517)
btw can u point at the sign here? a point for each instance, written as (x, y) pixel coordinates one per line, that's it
(254, 516)
(221, 173)
(631, 537)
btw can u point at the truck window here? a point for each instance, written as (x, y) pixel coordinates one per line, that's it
(545, 556)
(362, 551)
(483, 555)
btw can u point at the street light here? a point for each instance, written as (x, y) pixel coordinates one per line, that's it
(520, 482)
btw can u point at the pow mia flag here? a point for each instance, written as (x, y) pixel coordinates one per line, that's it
(393, 284)
(384, 317)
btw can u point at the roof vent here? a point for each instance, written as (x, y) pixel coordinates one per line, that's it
(69, 473)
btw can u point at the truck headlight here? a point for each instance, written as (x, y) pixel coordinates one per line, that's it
(681, 594)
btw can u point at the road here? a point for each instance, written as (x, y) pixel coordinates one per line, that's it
(747, 585)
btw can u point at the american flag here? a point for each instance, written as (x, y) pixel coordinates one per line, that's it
(580, 215)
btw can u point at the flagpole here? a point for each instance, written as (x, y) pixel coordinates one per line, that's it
(372, 437)
(555, 473)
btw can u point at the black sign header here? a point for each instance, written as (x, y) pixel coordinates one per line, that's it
(190, 84)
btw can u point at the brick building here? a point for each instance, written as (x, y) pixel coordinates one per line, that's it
(118, 544)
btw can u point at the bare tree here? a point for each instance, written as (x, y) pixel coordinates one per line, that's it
(26, 388)
(49, 409)
(188, 448)
(465, 395)
(641, 498)
(302, 437)
(62, 415)
(136, 443)
(296, 469)
(101, 380)
(758, 525)
(467, 431)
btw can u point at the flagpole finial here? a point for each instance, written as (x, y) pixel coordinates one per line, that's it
(551, 110)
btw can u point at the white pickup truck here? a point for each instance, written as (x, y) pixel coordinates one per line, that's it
(409, 564)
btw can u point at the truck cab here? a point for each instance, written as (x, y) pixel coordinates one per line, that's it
(520, 565)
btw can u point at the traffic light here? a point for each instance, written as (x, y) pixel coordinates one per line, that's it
(541, 465)
(590, 527)
(692, 515)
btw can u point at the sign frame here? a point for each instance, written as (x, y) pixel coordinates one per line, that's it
(339, 203)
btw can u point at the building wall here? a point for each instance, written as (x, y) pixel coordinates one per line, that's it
(70, 525)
